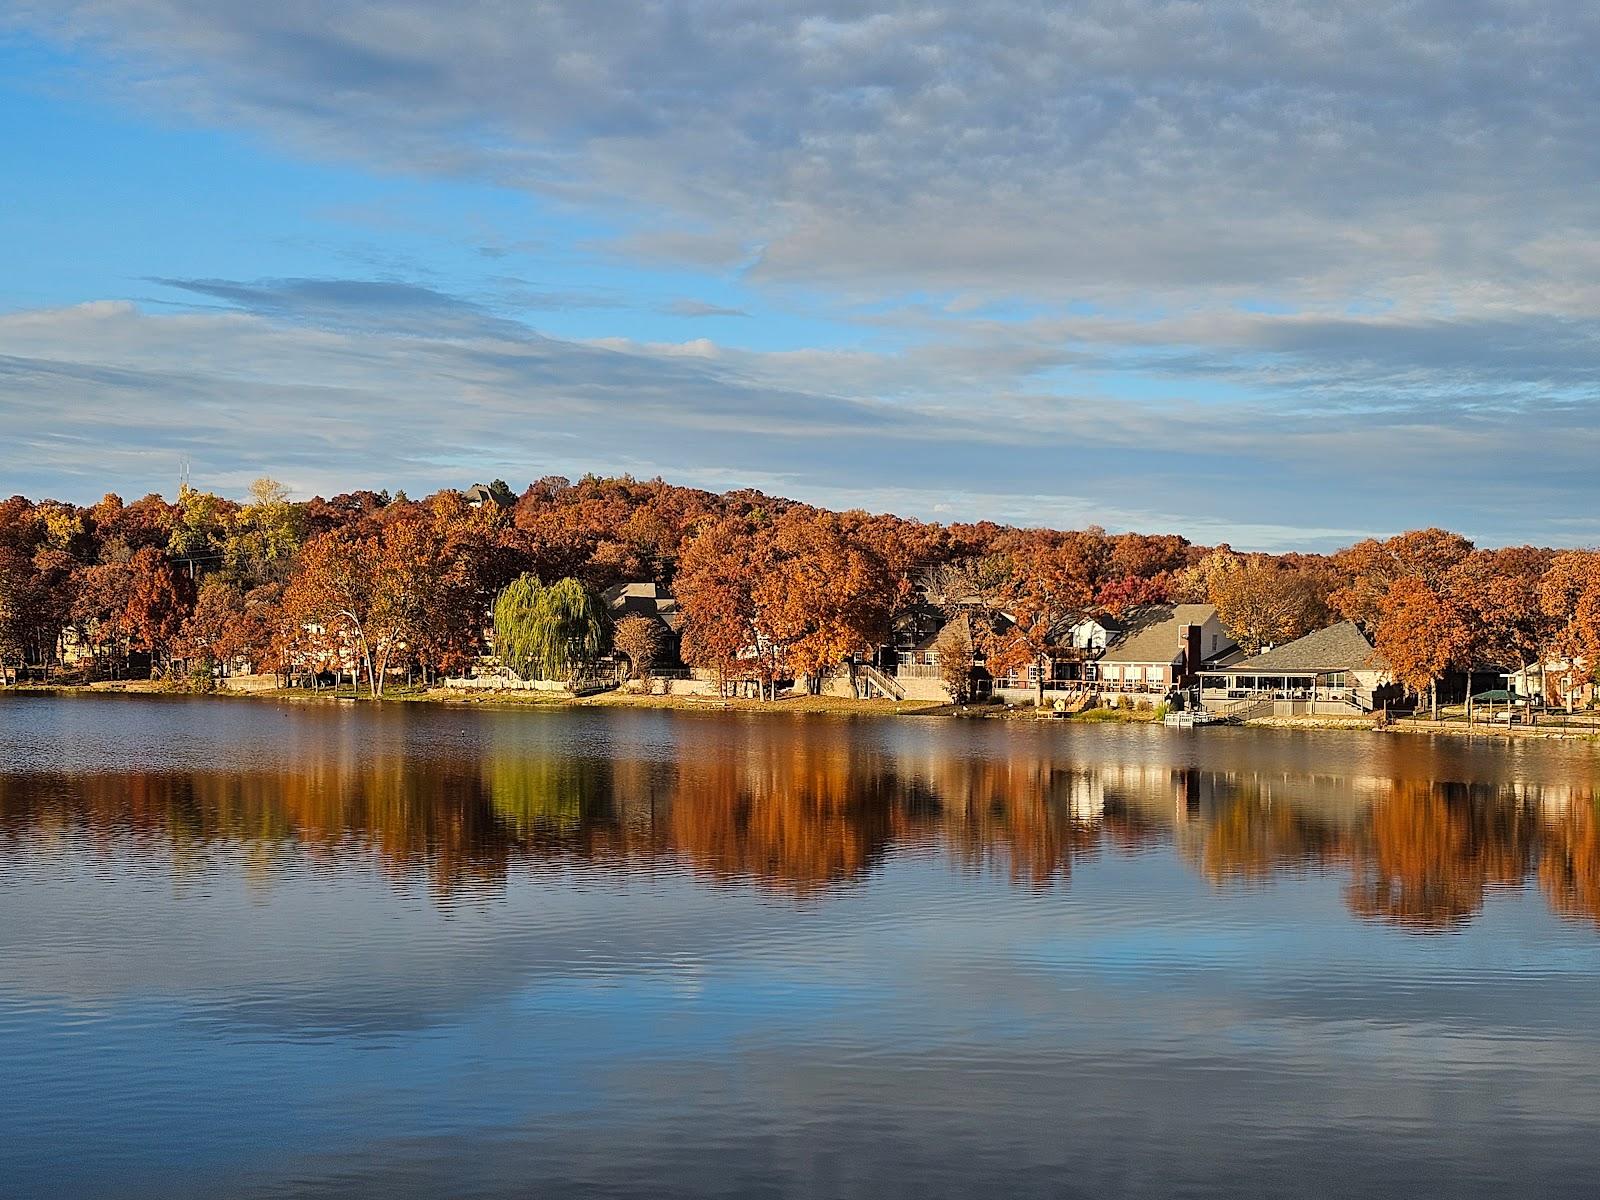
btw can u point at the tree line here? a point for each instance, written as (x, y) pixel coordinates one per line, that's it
(770, 589)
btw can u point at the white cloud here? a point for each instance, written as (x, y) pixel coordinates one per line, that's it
(1110, 149)
(1229, 266)
(105, 395)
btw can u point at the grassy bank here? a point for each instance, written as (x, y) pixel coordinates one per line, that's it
(1118, 716)
(401, 694)
(797, 705)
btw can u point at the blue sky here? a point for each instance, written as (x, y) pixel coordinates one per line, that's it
(1278, 275)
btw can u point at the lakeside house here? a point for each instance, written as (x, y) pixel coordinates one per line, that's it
(1071, 649)
(1147, 652)
(648, 599)
(1162, 647)
(910, 659)
(1329, 671)
(907, 667)
(1559, 682)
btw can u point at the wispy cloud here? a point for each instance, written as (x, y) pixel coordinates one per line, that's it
(1304, 268)
(700, 308)
(105, 394)
(1117, 147)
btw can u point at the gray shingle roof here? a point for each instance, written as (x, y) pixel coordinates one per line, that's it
(1341, 647)
(642, 599)
(1154, 632)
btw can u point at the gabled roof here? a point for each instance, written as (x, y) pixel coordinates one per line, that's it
(1154, 632)
(479, 494)
(642, 599)
(936, 617)
(1223, 658)
(928, 640)
(1066, 625)
(1341, 647)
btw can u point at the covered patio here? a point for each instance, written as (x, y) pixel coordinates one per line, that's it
(1308, 685)
(1334, 666)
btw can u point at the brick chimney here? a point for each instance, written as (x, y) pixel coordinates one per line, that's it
(1191, 655)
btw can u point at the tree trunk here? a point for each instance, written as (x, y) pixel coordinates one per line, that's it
(383, 672)
(1433, 697)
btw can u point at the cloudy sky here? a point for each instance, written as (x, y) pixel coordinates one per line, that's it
(1276, 273)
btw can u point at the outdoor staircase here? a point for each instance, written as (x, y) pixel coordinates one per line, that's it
(887, 684)
(1241, 711)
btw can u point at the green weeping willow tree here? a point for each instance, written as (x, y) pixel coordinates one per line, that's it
(549, 632)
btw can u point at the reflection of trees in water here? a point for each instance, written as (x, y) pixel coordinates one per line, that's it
(1569, 862)
(1419, 853)
(546, 794)
(1027, 818)
(432, 822)
(1251, 838)
(1432, 850)
(799, 818)
(802, 816)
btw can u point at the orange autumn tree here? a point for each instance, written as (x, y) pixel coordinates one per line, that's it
(1499, 591)
(1422, 632)
(770, 598)
(1261, 601)
(1371, 567)
(824, 596)
(370, 594)
(1050, 579)
(333, 597)
(1569, 594)
(210, 633)
(440, 558)
(717, 575)
(158, 600)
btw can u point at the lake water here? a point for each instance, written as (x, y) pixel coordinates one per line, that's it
(257, 950)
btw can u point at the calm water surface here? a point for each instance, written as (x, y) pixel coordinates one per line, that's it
(249, 950)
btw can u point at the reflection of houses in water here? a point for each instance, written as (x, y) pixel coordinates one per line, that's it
(1086, 796)
(1550, 800)
(803, 815)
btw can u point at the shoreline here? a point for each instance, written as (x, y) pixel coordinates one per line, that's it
(798, 706)
(795, 705)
